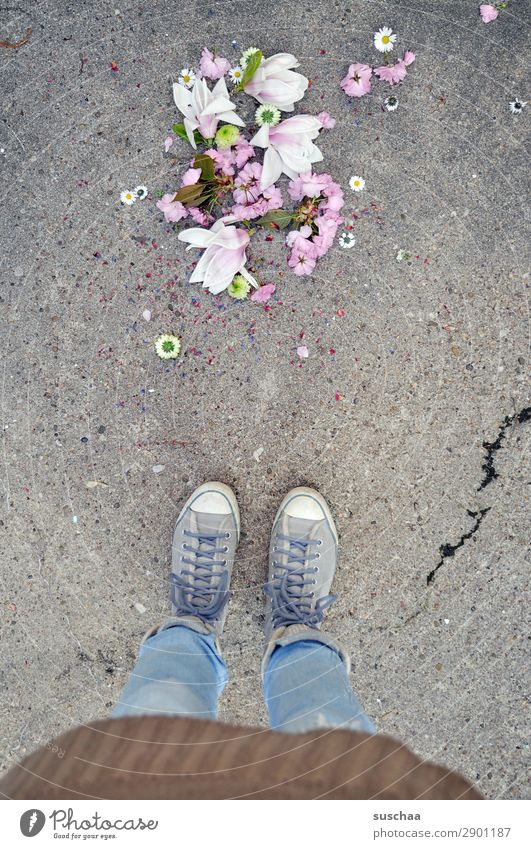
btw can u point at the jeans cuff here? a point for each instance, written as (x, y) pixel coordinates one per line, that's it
(193, 623)
(288, 634)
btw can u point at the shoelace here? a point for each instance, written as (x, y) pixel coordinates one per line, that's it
(291, 605)
(197, 596)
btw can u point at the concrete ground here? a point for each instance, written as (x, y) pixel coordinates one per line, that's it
(422, 456)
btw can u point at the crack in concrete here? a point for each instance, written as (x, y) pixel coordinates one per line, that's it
(448, 550)
(491, 447)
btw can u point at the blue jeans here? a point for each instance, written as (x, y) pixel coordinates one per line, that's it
(180, 672)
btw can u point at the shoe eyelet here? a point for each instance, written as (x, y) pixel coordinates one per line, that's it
(228, 535)
(316, 570)
(225, 548)
(183, 546)
(223, 562)
(319, 542)
(318, 555)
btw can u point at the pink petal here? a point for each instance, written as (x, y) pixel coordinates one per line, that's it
(168, 141)
(302, 352)
(146, 315)
(263, 293)
(488, 13)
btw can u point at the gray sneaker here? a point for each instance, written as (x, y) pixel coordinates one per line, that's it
(204, 544)
(302, 562)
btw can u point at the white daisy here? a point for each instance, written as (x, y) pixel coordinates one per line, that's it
(167, 346)
(517, 105)
(236, 74)
(128, 198)
(267, 114)
(187, 77)
(347, 240)
(384, 39)
(391, 103)
(141, 192)
(246, 55)
(357, 184)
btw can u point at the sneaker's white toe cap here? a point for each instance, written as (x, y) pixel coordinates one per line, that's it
(304, 507)
(212, 502)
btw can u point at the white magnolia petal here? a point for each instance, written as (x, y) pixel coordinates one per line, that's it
(261, 138)
(271, 169)
(220, 88)
(231, 118)
(249, 277)
(217, 104)
(280, 61)
(198, 237)
(182, 99)
(200, 271)
(190, 126)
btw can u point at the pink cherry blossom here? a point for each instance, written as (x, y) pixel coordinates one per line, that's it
(327, 230)
(243, 152)
(394, 74)
(358, 80)
(307, 185)
(488, 13)
(263, 294)
(191, 176)
(168, 141)
(248, 183)
(173, 210)
(199, 216)
(213, 67)
(301, 262)
(326, 120)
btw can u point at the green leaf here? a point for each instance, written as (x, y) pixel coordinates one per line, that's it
(206, 164)
(189, 195)
(250, 70)
(276, 219)
(180, 130)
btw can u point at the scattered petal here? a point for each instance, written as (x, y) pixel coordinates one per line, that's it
(488, 12)
(168, 141)
(146, 315)
(302, 352)
(157, 470)
(263, 294)
(258, 453)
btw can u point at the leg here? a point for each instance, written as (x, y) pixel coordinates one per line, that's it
(305, 674)
(306, 686)
(179, 672)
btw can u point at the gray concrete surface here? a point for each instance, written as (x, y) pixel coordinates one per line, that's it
(430, 357)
